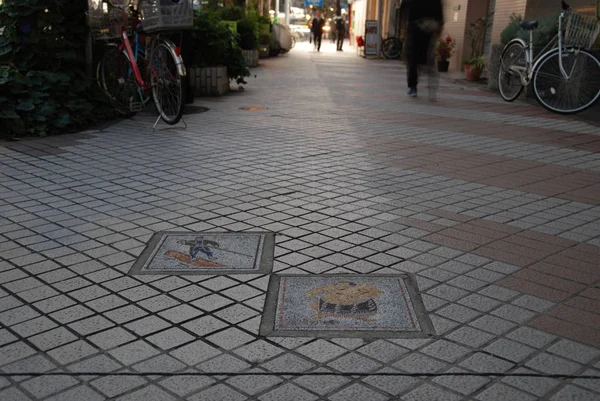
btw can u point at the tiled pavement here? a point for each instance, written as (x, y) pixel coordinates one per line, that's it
(494, 208)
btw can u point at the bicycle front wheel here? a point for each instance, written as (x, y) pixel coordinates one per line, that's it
(567, 95)
(509, 79)
(391, 48)
(167, 83)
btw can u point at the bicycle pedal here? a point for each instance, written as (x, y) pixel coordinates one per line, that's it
(136, 106)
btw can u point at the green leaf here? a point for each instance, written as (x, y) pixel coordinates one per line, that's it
(10, 114)
(62, 121)
(26, 105)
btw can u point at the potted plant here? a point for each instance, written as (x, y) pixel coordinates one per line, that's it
(475, 64)
(443, 51)
(474, 67)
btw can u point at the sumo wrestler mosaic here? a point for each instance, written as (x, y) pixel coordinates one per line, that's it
(344, 306)
(206, 253)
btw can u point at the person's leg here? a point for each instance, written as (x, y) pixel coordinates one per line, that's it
(318, 39)
(413, 76)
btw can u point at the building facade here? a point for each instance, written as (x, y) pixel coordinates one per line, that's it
(459, 14)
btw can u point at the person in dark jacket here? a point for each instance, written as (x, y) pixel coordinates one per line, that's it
(340, 31)
(426, 20)
(317, 30)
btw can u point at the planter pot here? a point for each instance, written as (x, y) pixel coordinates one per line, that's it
(209, 81)
(472, 73)
(263, 51)
(250, 57)
(443, 65)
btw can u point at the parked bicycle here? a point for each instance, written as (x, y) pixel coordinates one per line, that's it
(565, 75)
(150, 62)
(391, 47)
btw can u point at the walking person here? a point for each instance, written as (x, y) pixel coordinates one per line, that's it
(317, 30)
(426, 20)
(340, 32)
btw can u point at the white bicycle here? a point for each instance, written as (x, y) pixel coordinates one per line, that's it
(565, 76)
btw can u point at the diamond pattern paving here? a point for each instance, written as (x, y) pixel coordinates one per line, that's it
(492, 208)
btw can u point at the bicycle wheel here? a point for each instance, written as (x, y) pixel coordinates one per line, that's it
(509, 81)
(116, 79)
(167, 83)
(391, 48)
(567, 96)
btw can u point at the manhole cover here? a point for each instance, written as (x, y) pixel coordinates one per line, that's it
(253, 108)
(206, 253)
(344, 306)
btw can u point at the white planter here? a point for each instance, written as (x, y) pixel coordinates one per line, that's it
(251, 57)
(210, 81)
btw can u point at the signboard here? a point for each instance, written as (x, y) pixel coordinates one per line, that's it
(314, 3)
(371, 38)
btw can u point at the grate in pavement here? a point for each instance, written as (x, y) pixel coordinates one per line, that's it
(179, 253)
(344, 306)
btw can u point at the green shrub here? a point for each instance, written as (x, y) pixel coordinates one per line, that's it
(231, 13)
(43, 85)
(247, 29)
(215, 45)
(545, 32)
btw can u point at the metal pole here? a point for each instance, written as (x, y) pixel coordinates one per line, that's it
(379, 26)
(287, 11)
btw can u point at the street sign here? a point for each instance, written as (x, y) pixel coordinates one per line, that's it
(371, 38)
(314, 3)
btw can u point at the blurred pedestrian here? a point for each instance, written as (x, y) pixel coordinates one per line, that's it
(317, 29)
(426, 20)
(340, 32)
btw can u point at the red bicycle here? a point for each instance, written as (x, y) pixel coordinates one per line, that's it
(147, 63)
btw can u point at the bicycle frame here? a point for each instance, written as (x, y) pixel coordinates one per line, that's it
(126, 45)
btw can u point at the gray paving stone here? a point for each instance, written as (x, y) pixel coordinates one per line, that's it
(72, 352)
(17, 315)
(418, 363)
(258, 351)
(430, 393)
(114, 386)
(34, 364)
(514, 313)
(180, 313)
(98, 363)
(493, 324)
(458, 313)
(78, 393)
(354, 362)
(383, 351)
(538, 386)
(148, 393)
(45, 386)
(357, 391)
(461, 384)
(445, 350)
(230, 338)
(6, 337)
(111, 338)
(15, 351)
(52, 338)
(552, 364)
(133, 352)
(288, 363)
(501, 392)
(33, 326)
(500, 293)
(288, 392)
(479, 302)
(572, 393)
(533, 337)
(170, 338)
(205, 325)
(160, 363)
(184, 385)
(321, 350)
(574, 351)
(590, 384)
(218, 392)
(91, 325)
(253, 384)
(14, 394)
(481, 363)
(447, 292)
(236, 313)
(510, 350)
(533, 303)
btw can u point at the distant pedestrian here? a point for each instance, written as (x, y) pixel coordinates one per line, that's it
(317, 29)
(426, 20)
(340, 32)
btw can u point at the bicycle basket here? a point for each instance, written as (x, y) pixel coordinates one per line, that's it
(167, 15)
(581, 30)
(106, 21)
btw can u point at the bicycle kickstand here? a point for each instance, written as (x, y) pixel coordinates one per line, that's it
(158, 119)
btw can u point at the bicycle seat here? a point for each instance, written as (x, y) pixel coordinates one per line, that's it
(528, 25)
